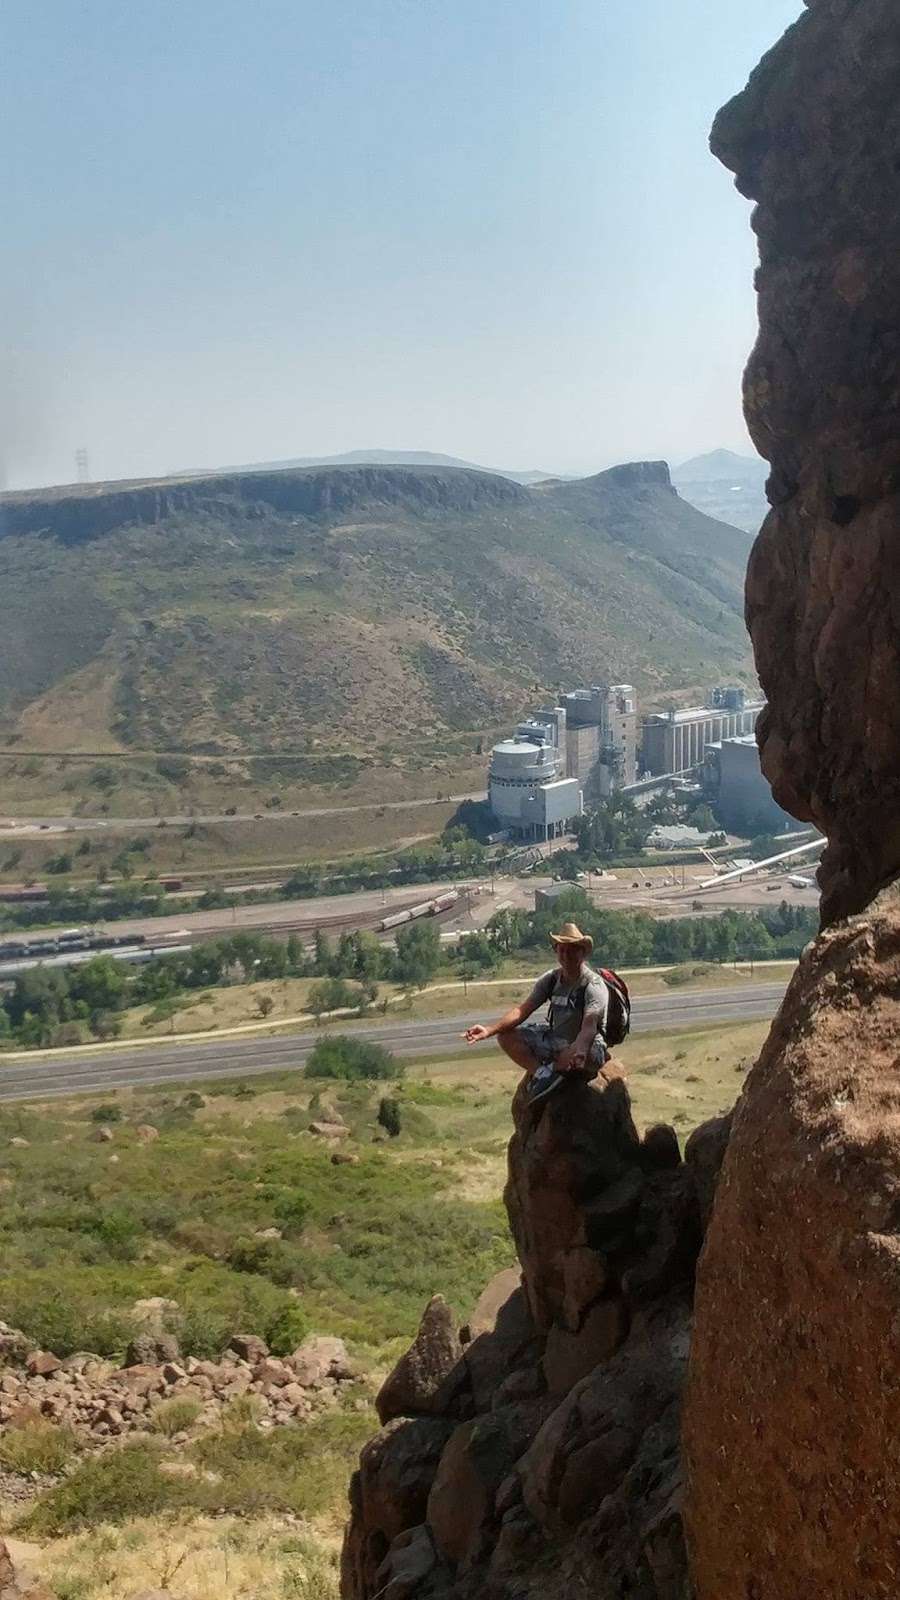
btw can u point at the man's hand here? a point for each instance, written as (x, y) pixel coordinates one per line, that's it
(474, 1034)
(571, 1059)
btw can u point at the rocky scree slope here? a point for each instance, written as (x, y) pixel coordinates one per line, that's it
(272, 609)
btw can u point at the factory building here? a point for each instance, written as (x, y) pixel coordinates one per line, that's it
(738, 788)
(676, 741)
(601, 734)
(529, 792)
(537, 777)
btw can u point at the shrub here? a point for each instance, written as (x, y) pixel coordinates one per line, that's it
(268, 1258)
(39, 1447)
(341, 1057)
(286, 1331)
(107, 1488)
(66, 1319)
(174, 1416)
(106, 1113)
(389, 1117)
(291, 1210)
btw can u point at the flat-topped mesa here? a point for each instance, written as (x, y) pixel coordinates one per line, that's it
(635, 475)
(77, 514)
(815, 141)
(535, 1451)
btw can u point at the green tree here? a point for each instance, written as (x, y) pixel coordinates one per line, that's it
(369, 957)
(332, 994)
(323, 954)
(42, 993)
(418, 953)
(101, 983)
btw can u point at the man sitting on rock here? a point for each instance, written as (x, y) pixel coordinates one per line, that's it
(572, 1038)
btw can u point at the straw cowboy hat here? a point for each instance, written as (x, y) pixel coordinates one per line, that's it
(570, 933)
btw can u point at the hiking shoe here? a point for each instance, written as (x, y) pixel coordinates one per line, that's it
(542, 1083)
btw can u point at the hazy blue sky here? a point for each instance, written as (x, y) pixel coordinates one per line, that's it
(246, 229)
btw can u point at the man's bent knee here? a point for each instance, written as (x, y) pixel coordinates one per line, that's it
(513, 1045)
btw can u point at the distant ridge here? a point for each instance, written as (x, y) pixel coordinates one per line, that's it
(718, 466)
(356, 458)
(726, 485)
(352, 608)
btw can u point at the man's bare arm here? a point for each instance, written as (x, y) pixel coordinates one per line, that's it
(575, 1056)
(510, 1019)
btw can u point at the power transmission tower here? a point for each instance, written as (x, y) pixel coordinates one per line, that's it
(82, 468)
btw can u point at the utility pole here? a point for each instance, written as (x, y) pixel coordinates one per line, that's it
(82, 469)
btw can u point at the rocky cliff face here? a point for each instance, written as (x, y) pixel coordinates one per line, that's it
(793, 1412)
(815, 140)
(792, 1409)
(535, 1452)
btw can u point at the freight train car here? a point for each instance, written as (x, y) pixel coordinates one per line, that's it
(428, 908)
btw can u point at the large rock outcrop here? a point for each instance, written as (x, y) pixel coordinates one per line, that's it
(793, 1404)
(793, 1415)
(539, 1450)
(815, 140)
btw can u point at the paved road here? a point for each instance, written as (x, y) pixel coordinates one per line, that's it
(84, 1070)
(23, 826)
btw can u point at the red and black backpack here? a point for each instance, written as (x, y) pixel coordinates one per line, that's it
(618, 1012)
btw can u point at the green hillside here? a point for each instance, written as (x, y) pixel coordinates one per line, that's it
(329, 608)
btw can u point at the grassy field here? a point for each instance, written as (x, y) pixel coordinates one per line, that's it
(221, 847)
(115, 784)
(88, 1228)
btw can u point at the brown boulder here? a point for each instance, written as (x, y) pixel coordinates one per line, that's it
(507, 1344)
(411, 1388)
(249, 1347)
(409, 1562)
(7, 1569)
(793, 1407)
(583, 1144)
(586, 1447)
(330, 1130)
(490, 1303)
(569, 1357)
(388, 1497)
(478, 1458)
(704, 1154)
(146, 1133)
(152, 1350)
(42, 1364)
(319, 1359)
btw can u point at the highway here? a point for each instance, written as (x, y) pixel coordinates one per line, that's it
(86, 1070)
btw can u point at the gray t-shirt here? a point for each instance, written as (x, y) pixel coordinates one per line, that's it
(565, 1014)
